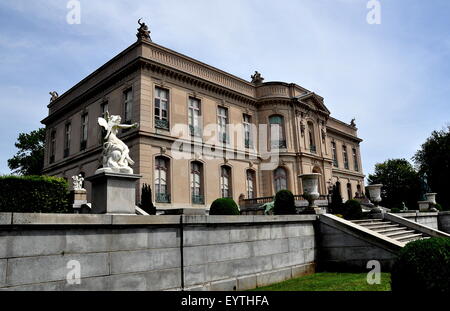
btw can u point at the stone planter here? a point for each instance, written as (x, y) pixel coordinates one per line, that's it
(431, 198)
(375, 193)
(311, 189)
(424, 206)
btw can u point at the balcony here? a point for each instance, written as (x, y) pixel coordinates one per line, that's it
(278, 144)
(198, 199)
(162, 198)
(162, 124)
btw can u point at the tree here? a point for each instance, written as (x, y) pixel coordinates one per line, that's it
(433, 161)
(29, 160)
(337, 204)
(401, 183)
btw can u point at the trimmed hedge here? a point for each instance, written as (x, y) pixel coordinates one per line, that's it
(224, 206)
(34, 194)
(423, 266)
(352, 210)
(284, 203)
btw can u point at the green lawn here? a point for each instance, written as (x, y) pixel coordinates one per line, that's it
(331, 282)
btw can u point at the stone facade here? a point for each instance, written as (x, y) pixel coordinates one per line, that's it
(130, 85)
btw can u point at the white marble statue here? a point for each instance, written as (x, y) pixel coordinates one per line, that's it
(116, 156)
(78, 182)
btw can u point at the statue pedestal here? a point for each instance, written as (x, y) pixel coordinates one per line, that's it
(113, 193)
(78, 200)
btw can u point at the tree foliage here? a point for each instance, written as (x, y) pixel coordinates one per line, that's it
(433, 159)
(401, 183)
(29, 160)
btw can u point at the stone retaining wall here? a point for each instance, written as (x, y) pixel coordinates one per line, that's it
(154, 252)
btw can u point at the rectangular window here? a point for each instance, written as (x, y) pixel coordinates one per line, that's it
(344, 152)
(355, 160)
(161, 108)
(104, 108)
(222, 122)
(335, 159)
(194, 117)
(128, 106)
(67, 134)
(52, 146)
(197, 183)
(248, 131)
(84, 131)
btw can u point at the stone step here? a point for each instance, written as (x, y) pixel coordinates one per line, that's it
(381, 227)
(369, 221)
(391, 230)
(410, 238)
(400, 234)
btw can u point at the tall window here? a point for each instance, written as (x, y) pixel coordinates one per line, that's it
(162, 180)
(280, 179)
(355, 160)
(345, 156)
(52, 146)
(104, 107)
(222, 122)
(84, 131)
(251, 184)
(194, 117)
(161, 108)
(247, 131)
(335, 159)
(128, 106)
(197, 183)
(277, 138)
(312, 142)
(67, 134)
(225, 181)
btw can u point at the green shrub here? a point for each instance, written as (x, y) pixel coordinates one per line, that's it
(146, 200)
(438, 207)
(337, 203)
(395, 210)
(352, 210)
(224, 206)
(423, 266)
(34, 194)
(284, 203)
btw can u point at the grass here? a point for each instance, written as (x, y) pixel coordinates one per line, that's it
(331, 282)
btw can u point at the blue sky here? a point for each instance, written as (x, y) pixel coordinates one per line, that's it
(394, 78)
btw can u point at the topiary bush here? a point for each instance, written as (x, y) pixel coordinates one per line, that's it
(337, 203)
(284, 203)
(352, 210)
(423, 266)
(224, 206)
(34, 194)
(146, 200)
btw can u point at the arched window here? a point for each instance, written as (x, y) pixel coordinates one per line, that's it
(162, 192)
(251, 184)
(312, 140)
(197, 183)
(358, 191)
(280, 179)
(338, 188)
(349, 191)
(277, 137)
(225, 182)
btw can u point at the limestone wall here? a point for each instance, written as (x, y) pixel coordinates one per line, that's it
(444, 221)
(153, 252)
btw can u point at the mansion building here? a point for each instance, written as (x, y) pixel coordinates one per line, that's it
(159, 89)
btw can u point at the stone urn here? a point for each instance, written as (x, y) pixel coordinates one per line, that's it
(431, 198)
(375, 193)
(311, 189)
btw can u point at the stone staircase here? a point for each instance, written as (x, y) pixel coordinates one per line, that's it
(391, 230)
